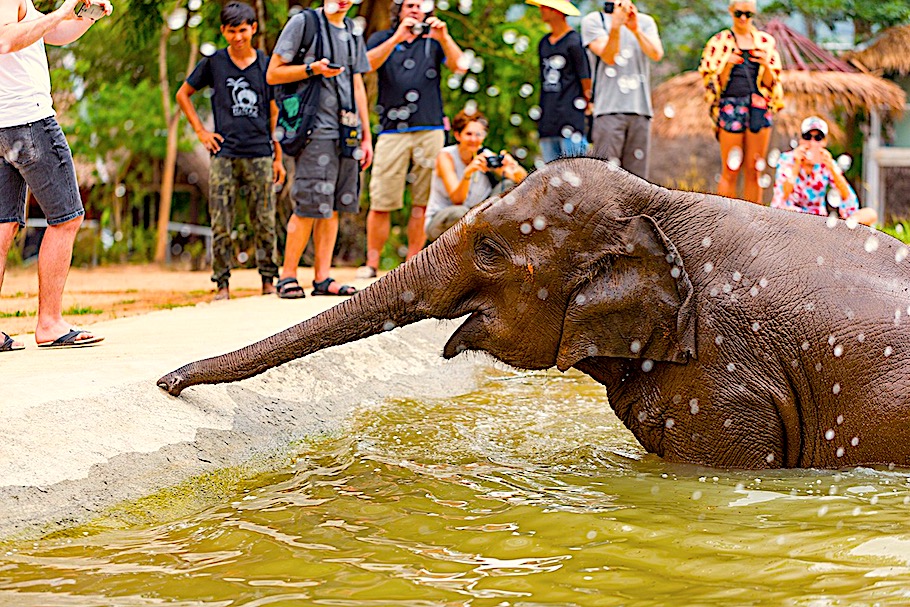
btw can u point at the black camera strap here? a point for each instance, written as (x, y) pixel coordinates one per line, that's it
(348, 68)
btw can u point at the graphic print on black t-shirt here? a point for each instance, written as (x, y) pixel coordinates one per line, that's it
(562, 68)
(245, 98)
(240, 103)
(409, 84)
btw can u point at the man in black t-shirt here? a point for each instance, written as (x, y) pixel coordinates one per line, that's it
(565, 83)
(242, 148)
(408, 58)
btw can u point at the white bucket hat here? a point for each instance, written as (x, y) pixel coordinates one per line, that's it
(563, 6)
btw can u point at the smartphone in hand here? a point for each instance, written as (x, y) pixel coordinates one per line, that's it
(90, 11)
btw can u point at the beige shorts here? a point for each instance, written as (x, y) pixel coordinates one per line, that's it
(394, 154)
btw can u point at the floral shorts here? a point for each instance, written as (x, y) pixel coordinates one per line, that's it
(733, 115)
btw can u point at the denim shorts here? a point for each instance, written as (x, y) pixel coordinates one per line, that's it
(733, 115)
(37, 155)
(324, 181)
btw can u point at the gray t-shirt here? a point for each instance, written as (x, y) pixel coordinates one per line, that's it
(625, 87)
(349, 51)
(478, 191)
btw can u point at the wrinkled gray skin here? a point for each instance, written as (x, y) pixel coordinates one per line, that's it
(726, 334)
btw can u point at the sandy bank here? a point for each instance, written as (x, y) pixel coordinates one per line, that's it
(84, 429)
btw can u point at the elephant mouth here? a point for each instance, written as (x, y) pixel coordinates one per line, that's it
(469, 336)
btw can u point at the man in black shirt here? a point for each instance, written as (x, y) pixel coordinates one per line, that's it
(565, 83)
(243, 152)
(409, 58)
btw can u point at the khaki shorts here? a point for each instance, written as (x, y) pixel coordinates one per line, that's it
(394, 153)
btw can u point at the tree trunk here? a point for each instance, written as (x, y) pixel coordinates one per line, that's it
(172, 116)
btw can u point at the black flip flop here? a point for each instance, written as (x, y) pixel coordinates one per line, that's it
(322, 288)
(8, 344)
(289, 288)
(70, 340)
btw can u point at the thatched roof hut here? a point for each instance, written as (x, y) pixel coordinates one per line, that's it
(889, 53)
(814, 82)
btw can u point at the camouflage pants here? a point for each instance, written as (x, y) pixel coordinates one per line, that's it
(226, 176)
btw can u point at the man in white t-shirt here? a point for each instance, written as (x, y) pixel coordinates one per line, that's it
(622, 43)
(35, 156)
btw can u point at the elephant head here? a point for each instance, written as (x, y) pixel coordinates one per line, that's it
(565, 267)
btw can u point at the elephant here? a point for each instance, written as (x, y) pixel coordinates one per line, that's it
(727, 334)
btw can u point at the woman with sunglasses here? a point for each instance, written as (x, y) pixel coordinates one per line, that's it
(809, 179)
(741, 71)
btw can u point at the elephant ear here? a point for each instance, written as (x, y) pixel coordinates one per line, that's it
(634, 299)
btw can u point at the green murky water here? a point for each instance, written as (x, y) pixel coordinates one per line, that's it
(528, 492)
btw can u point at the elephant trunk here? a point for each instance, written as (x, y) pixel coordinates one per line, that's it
(404, 296)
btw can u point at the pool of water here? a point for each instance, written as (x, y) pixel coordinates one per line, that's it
(527, 492)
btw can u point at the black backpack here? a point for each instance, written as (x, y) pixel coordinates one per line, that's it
(298, 102)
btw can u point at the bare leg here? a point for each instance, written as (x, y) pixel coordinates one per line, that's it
(416, 235)
(755, 149)
(299, 229)
(378, 225)
(7, 233)
(325, 232)
(731, 154)
(54, 260)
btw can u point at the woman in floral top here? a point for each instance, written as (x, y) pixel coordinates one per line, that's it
(741, 69)
(805, 177)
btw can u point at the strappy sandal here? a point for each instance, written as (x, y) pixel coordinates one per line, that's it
(289, 288)
(8, 344)
(322, 288)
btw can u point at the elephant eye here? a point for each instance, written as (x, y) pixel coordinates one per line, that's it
(488, 254)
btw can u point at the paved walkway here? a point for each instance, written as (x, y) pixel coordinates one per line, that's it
(83, 429)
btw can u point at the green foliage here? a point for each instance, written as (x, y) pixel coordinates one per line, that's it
(868, 15)
(900, 230)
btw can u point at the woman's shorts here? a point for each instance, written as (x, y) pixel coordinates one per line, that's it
(733, 115)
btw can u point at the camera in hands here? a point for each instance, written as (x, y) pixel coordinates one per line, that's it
(495, 161)
(419, 29)
(609, 7)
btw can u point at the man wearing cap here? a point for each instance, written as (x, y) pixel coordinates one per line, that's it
(805, 176)
(622, 42)
(565, 83)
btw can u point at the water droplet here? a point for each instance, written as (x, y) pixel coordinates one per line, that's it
(407, 296)
(769, 458)
(844, 161)
(861, 337)
(693, 406)
(580, 299)
(675, 272)
(871, 244)
(540, 222)
(852, 223)
(838, 350)
(840, 420)
(509, 36)
(737, 276)
(755, 327)
(731, 367)
(493, 91)
(763, 283)
(735, 158)
(635, 346)
(388, 325)
(708, 267)
(753, 291)
(836, 390)
(647, 365)
(642, 416)
(829, 434)
(728, 422)
(696, 495)
(526, 228)
(888, 351)
(515, 119)
(854, 441)
(719, 339)
(832, 220)
(542, 294)
(526, 90)
(820, 260)
(901, 254)
(669, 423)
(669, 111)
(839, 452)
(568, 207)
(534, 113)
(207, 49)
(764, 181)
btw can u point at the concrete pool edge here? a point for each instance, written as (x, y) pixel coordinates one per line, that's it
(65, 461)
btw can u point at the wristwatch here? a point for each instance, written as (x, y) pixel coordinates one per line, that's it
(309, 70)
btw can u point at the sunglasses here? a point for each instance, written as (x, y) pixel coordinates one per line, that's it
(817, 136)
(741, 14)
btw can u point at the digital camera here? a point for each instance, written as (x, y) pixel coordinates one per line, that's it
(495, 162)
(418, 29)
(609, 7)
